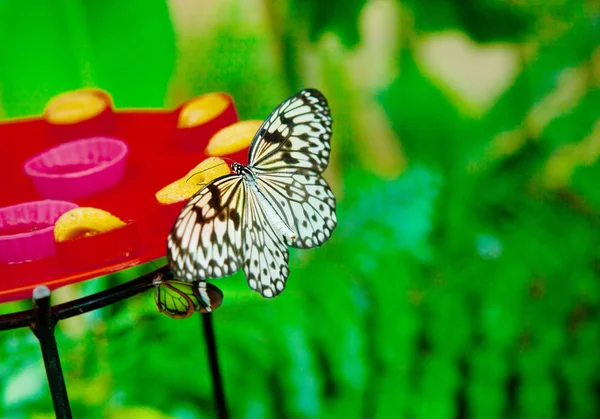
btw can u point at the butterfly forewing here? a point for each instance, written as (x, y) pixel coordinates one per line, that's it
(296, 134)
(206, 241)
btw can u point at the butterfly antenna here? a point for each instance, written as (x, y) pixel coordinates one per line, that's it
(228, 159)
(203, 170)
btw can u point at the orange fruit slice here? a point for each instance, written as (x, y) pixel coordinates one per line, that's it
(72, 107)
(84, 222)
(184, 188)
(235, 137)
(202, 109)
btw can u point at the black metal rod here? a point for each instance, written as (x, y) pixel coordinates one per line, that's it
(109, 296)
(43, 318)
(43, 328)
(215, 371)
(88, 303)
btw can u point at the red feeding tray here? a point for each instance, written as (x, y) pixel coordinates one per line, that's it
(157, 156)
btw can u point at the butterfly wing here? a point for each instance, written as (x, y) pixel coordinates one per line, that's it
(287, 155)
(295, 135)
(206, 240)
(179, 300)
(265, 253)
(173, 298)
(305, 202)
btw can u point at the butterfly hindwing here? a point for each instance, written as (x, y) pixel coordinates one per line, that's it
(305, 202)
(206, 241)
(179, 299)
(296, 134)
(174, 298)
(265, 253)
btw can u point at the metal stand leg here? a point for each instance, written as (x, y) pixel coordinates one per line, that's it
(211, 347)
(43, 328)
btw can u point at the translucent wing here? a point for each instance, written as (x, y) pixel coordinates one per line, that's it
(174, 299)
(265, 253)
(295, 135)
(206, 240)
(179, 300)
(305, 202)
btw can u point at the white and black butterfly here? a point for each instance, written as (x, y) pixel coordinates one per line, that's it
(249, 218)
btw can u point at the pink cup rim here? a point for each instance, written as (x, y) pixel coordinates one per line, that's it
(123, 151)
(45, 230)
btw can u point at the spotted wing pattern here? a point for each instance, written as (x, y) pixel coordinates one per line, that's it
(265, 254)
(206, 241)
(296, 134)
(305, 202)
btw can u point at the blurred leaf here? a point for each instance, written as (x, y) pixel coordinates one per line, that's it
(37, 60)
(493, 20)
(133, 48)
(574, 126)
(484, 21)
(68, 45)
(339, 17)
(430, 127)
(395, 213)
(433, 19)
(585, 184)
(138, 412)
(233, 59)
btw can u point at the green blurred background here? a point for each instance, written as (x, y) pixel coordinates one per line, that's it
(463, 279)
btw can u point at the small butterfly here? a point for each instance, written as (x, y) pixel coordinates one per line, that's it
(248, 219)
(179, 300)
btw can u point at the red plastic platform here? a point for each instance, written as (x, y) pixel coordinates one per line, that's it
(159, 153)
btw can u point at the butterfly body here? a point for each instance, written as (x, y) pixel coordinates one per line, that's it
(249, 218)
(271, 212)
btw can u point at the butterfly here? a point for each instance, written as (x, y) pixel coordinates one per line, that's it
(179, 300)
(249, 218)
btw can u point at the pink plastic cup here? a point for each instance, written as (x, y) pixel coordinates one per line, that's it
(79, 168)
(27, 230)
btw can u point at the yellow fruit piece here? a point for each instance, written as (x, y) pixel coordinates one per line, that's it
(184, 188)
(201, 110)
(83, 222)
(72, 107)
(235, 137)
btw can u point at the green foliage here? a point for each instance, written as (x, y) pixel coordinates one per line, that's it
(484, 21)
(214, 64)
(49, 48)
(338, 16)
